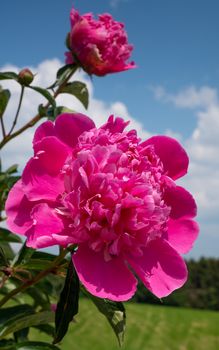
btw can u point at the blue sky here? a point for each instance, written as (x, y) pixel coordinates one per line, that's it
(174, 89)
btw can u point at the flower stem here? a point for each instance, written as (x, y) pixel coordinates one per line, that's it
(18, 110)
(35, 279)
(35, 119)
(2, 125)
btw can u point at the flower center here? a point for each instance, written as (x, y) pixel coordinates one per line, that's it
(114, 193)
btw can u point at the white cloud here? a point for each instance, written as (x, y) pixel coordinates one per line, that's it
(19, 150)
(191, 97)
(202, 145)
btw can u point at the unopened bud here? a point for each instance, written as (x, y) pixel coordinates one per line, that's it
(25, 77)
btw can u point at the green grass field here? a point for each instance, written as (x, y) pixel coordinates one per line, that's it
(148, 328)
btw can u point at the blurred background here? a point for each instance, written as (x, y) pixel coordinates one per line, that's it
(173, 91)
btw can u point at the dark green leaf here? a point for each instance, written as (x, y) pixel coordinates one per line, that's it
(23, 256)
(33, 345)
(8, 252)
(21, 335)
(115, 314)
(11, 314)
(44, 93)
(4, 98)
(40, 297)
(12, 326)
(7, 236)
(79, 90)
(63, 74)
(8, 75)
(3, 258)
(7, 344)
(67, 306)
(43, 256)
(46, 328)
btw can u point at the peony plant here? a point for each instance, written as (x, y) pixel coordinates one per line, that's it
(106, 198)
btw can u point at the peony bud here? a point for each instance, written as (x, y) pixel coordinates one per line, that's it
(25, 77)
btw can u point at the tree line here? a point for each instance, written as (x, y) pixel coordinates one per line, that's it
(201, 290)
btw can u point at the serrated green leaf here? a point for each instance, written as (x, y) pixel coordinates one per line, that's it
(79, 90)
(4, 99)
(33, 345)
(44, 93)
(23, 256)
(67, 306)
(8, 75)
(115, 314)
(7, 236)
(38, 318)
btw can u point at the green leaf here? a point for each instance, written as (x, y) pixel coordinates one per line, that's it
(115, 314)
(79, 90)
(45, 93)
(23, 256)
(4, 98)
(8, 75)
(63, 73)
(8, 252)
(7, 344)
(67, 306)
(40, 298)
(43, 255)
(34, 345)
(3, 258)
(46, 328)
(12, 169)
(11, 314)
(21, 335)
(7, 236)
(15, 325)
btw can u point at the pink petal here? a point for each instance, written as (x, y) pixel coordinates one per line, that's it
(18, 210)
(181, 202)
(172, 155)
(69, 127)
(45, 129)
(161, 268)
(115, 125)
(104, 278)
(45, 223)
(182, 234)
(42, 175)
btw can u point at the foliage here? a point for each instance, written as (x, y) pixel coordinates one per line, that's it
(201, 290)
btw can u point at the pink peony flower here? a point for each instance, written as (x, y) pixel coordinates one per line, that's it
(100, 46)
(112, 195)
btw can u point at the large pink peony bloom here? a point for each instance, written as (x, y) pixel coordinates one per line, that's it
(100, 46)
(115, 197)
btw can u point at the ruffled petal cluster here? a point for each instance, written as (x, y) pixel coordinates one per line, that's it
(99, 46)
(112, 195)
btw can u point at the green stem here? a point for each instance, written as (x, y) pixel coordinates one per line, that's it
(18, 110)
(35, 119)
(36, 279)
(2, 125)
